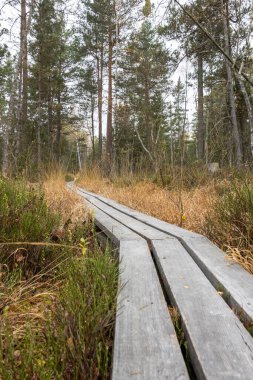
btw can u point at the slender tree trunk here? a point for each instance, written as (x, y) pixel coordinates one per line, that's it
(109, 109)
(5, 159)
(92, 129)
(200, 108)
(50, 123)
(23, 90)
(231, 95)
(18, 129)
(25, 64)
(100, 103)
(59, 128)
(9, 123)
(39, 127)
(249, 112)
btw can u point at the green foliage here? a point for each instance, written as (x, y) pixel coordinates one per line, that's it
(6, 71)
(231, 223)
(142, 89)
(147, 8)
(76, 341)
(83, 318)
(58, 303)
(24, 215)
(47, 85)
(69, 177)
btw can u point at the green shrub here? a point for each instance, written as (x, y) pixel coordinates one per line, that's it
(76, 340)
(69, 177)
(24, 215)
(58, 301)
(231, 223)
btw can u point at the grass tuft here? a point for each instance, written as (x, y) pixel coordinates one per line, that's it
(230, 224)
(57, 295)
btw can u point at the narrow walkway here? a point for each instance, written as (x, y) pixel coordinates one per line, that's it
(162, 265)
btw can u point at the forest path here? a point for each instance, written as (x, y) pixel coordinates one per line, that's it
(164, 266)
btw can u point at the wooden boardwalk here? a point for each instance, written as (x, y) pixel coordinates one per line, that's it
(162, 265)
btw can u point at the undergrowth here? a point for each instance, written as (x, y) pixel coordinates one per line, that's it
(57, 297)
(230, 225)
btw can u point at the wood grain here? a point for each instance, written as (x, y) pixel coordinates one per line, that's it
(145, 345)
(219, 345)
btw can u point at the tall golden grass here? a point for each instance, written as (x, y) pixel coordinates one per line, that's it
(69, 205)
(186, 208)
(27, 301)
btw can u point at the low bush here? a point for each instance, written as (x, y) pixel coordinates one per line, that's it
(69, 177)
(230, 224)
(58, 296)
(72, 338)
(24, 215)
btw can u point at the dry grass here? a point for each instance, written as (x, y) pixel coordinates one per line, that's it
(26, 302)
(65, 202)
(186, 208)
(50, 289)
(243, 257)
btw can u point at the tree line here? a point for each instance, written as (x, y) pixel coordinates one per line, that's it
(117, 63)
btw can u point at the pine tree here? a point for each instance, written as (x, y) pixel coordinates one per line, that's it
(6, 71)
(47, 89)
(144, 82)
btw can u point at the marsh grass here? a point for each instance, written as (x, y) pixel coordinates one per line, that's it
(57, 295)
(186, 206)
(220, 206)
(230, 225)
(68, 332)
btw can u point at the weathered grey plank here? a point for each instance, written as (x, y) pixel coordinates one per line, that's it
(225, 275)
(236, 283)
(140, 228)
(110, 227)
(160, 225)
(145, 345)
(219, 345)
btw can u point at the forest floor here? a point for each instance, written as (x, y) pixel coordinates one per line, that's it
(219, 207)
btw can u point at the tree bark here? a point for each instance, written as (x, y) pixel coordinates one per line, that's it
(200, 133)
(22, 122)
(92, 129)
(59, 128)
(16, 79)
(50, 122)
(231, 95)
(5, 159)
(100, 103)
(39, 126)
(109, 109)
(25, 63)
(249, 111)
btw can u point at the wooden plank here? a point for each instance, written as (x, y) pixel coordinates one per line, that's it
(160, 225)
(111, 227)
(219, 345)
(236, 283)
(140, 228)
(225, 275)
(230, 347)
(145, 343)
(145, 346)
